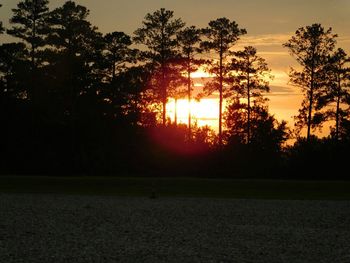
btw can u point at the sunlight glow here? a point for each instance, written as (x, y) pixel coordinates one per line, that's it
(200, 74)
(203, 112)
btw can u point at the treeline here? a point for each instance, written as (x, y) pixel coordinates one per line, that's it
(76, 101)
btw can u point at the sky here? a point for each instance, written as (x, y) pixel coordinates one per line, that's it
(269, 24)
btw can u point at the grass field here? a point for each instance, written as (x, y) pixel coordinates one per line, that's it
(185, 187)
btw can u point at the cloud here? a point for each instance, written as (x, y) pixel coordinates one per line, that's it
(283, 90)
(265, 40)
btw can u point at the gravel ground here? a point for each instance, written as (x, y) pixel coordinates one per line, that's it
(60, 228)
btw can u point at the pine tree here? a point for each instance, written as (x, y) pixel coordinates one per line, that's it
(222, 34)
(189, 40)
(338, 90)
(311, 46)
(1, 27)
(159, 34)
(250, 79)
(30, 25)
(77, 49)
(117, 52)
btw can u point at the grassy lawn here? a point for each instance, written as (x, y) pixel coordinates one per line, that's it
(184, 187)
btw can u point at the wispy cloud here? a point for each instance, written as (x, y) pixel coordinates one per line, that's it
(265, 40)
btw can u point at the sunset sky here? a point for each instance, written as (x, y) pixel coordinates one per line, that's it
(269, 23)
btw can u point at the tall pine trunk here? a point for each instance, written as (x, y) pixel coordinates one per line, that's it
(189, 98)
(249, 109)
(164, 95)
(175, 117)
(337, 111)
(311, 100)
(221, 95)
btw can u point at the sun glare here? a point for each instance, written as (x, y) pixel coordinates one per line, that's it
(200, 73)
(203, 112)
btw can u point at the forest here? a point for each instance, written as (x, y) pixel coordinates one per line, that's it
(75, 101)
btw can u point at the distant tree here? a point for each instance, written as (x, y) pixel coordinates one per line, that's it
(14, 69)
(338, 90)
(30, 25)
(75, 70)
(117, 52)
(204, 135)
(267, 134)
(221, 36)
(126, 99)
(159, 34)
(250, 79)
(189, 40)
(1, 27)
(77, 51)
(29, 19)
(311, 46)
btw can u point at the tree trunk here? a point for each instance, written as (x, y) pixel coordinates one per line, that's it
(113, 70)
(311, 95)
(32, 94)
(221, 96)
(309, 115)
(337, 112)
(249, 109)
(164, 95)
(164, 112)
(175, 117)
(189, 98)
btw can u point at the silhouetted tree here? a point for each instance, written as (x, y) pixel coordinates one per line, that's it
(117, 52)
(29, 20)
(204, 136)
(267, 139)
(311, 46)
(1, 27)
(159, 35)
(77, 51)
(127, 101)
(338, 90)
(221, 36)
(189, 40)
(250, 79)
(267, 133)
(14, 70)
(75, 68)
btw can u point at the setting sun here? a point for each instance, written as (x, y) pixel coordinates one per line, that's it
(203, 112)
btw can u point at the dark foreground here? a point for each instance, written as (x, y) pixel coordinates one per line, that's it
(178, 187)
(77, 228)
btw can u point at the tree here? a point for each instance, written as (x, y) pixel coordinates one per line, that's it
(267, 134)
(117, 52)
(14, 69)
(311, 46)
(159, 35)
(29, 20)
(75, 69)
(121, 82)
(30, 25)
(1, 27)
(77, 52)
(338, 89)
(250, 80)
(125, 100)
(221, 36)
(189, 40)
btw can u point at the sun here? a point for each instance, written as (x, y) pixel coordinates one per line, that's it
(204, 112)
